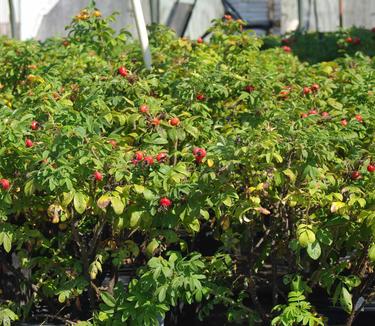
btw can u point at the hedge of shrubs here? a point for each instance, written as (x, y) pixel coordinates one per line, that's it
(228, 179)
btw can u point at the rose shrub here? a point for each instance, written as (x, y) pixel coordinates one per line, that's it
(226, 174)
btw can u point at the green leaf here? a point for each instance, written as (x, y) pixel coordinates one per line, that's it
(134, 218)
(336, 105)
(162, 293)
(151, 247)
(29, 187)
(7, 241)
(67, 198)
(289, 173)
(117, 205)
(62, 297)
(108, 299)
(80, 202)
(346, 300)
(314, 250)
(228, 201)
(104, 201)
(139, 189)
(148, 194)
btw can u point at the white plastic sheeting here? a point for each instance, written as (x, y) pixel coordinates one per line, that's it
(325, 16)
(46, 18)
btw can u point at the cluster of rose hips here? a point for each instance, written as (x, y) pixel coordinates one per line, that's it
(351, 40)
(312, 89)
(357, 175)
(175, 121)
(34, 126)
(325, 114)
(149, 160)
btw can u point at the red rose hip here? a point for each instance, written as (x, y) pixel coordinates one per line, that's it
(287, 49)
(155, 121)
(249, 88)
(165, 202)
(161, 157)
(148, 160)
(355, 175)
(200, 97)
(344, 122)
(371, 168)
(307, 90)
(34, 125)
(174, 121)
(143, 108)
(98, 176)
(29, 143)
(199, 153)
(138, 156)
(359, 118)
(122, 71)
(5, 184)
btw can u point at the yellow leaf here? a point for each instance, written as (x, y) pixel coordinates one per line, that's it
(336, 206)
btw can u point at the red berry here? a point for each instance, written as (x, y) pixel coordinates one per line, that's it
(355, 175)
(199, 153)
(138, 156)
(199, 40)
(249, 88)
(284, 93)
(371, 168)
(161, 157)
(143, 108)
(349, 40)
(344, 122)
(287, 49)
(313, 112)
(34, 125)
(200, 97)
(356, 41)
(165, 202)
(148, 160)
(315, 87)
(29, 143)
(325, 114)
(5, 184)
(359, 118)
(122, 71)
(98, 176)
(174, 121)
(307, 90)
(113, 143)
(155, 122)
(304, 115)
